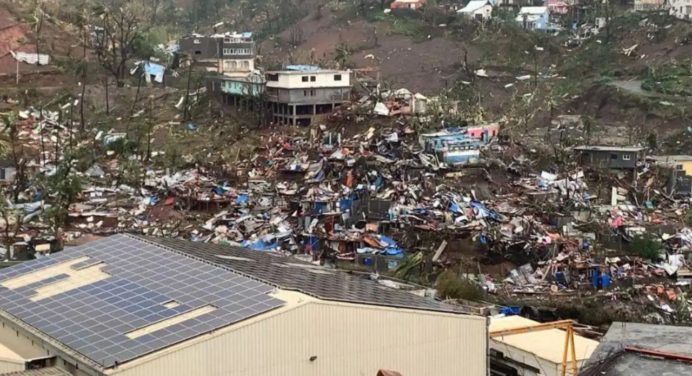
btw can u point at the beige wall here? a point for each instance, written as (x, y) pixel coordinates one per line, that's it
(7, 367)
(20, 345)
(346, 339)
(17, 348)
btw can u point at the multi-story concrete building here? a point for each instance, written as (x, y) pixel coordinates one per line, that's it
(222, 53)
(230, 60)
(303, 93)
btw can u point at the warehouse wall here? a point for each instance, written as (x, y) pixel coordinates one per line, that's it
(324, 338)
(7, 367)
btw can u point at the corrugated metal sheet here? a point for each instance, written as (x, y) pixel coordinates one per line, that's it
(324, 338)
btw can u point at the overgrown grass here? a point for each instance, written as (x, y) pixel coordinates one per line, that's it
(673, 79)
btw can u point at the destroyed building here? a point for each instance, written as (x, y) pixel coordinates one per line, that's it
(643, 350)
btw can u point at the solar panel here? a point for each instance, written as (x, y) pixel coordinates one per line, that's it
(94, 319)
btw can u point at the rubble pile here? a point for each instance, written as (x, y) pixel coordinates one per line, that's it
(380, 197)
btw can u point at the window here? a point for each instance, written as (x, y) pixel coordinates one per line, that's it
(678, 167)
(272, 77)
(312, 92)
(313, 78)
(305, 78)
(337, 77)
(626, 157)
(614, 156)
(305, 93)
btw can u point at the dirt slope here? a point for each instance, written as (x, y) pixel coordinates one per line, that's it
(427, 66)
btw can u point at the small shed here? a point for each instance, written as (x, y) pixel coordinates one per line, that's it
(613, 157)
(533, 18)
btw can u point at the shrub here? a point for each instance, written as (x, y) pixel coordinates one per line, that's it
(451, 286)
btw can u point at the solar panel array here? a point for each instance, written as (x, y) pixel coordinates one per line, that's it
(292, 274)
(94, 319)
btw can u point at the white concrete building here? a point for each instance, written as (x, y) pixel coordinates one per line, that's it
(681, 9)
(302, 93)
(477, 9)
(648, 5)
(128, 305)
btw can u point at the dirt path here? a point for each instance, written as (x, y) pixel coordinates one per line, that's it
(635, 87)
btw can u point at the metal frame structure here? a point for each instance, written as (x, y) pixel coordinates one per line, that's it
(567, 325)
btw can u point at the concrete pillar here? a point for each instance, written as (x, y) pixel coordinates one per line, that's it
(293, 118)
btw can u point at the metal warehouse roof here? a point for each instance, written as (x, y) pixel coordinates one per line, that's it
(119, 298)
(291, 274)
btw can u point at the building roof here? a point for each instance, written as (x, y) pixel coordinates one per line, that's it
(676, 339)
(474, 5)
(303, 72)
(671, 158)
(625, 149)
(545, 344)
(119, 298)
(309, 279)
(50, 371)
(533, 10)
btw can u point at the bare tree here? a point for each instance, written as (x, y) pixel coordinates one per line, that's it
(38, 26)
(296, 36)
(121, 26)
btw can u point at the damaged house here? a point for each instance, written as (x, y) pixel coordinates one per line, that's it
(230, 60)
(611, 157)
(302, 93)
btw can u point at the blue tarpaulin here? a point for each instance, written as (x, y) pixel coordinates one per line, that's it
(605, 280)
(155, 70)
(394, 251)
(483, 239)
(345, 204)
(319, 207)
(379, 182)
(482, 211)
(386, 240)
(242, 199)
(510, 311)
(454, 208)
(261, 245)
